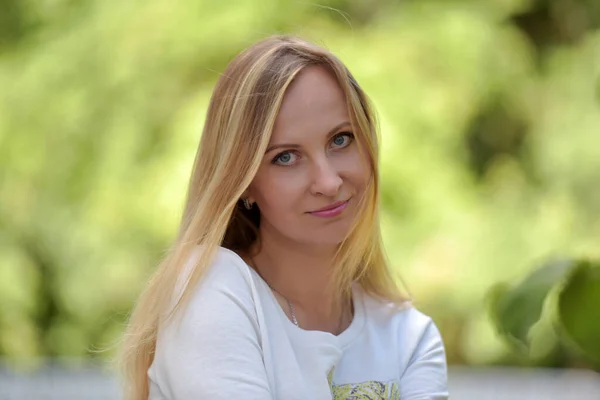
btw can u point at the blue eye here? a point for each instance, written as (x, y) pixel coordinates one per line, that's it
(342, 139)
(285, 158)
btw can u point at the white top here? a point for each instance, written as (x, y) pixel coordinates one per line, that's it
(235, 342)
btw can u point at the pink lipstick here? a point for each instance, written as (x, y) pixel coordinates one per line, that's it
(332, 210)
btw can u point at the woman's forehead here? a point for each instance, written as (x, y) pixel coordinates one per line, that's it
(314, 102)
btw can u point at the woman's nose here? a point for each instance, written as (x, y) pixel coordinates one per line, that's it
(326, 180)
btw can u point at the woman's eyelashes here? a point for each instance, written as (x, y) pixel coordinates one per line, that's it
(342, 139)
(337, 142)
(285, 158)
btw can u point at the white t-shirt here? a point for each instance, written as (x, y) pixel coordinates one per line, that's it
(236, 342)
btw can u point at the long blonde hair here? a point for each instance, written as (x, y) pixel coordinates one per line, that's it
(239, 122)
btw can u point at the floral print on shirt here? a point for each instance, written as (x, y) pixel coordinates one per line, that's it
(370, 390)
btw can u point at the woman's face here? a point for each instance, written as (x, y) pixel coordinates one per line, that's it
(313, 173)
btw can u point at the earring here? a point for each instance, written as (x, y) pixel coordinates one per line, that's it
(247, 204)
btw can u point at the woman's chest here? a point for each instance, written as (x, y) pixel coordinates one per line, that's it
(365, 370)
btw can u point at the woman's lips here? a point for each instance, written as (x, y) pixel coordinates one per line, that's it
(332, 210)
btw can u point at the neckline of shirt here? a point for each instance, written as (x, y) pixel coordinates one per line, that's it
(344, 339)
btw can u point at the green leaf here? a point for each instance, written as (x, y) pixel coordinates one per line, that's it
(579, 310)
(515, 309)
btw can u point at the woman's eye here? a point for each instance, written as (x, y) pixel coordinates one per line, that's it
(285, 158)
(342, 139)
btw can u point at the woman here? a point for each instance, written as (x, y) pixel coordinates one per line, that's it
(277, 286)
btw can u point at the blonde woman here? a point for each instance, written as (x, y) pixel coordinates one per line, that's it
(277, 286)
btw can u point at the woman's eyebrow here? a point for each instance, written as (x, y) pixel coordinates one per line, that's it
(296, 146)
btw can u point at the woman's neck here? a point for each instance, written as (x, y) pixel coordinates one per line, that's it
(302, 275)
(299, 272)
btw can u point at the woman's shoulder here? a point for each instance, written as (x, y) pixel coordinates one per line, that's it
(226, 281)
(220, 315)
(406, 320)
(224, 290)
(411, 331)
(226, 268)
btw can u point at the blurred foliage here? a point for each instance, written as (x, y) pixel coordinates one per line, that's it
(490, 160)
(561, 296)
(578, 313)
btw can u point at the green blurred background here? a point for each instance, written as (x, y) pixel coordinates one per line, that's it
(490, 120)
